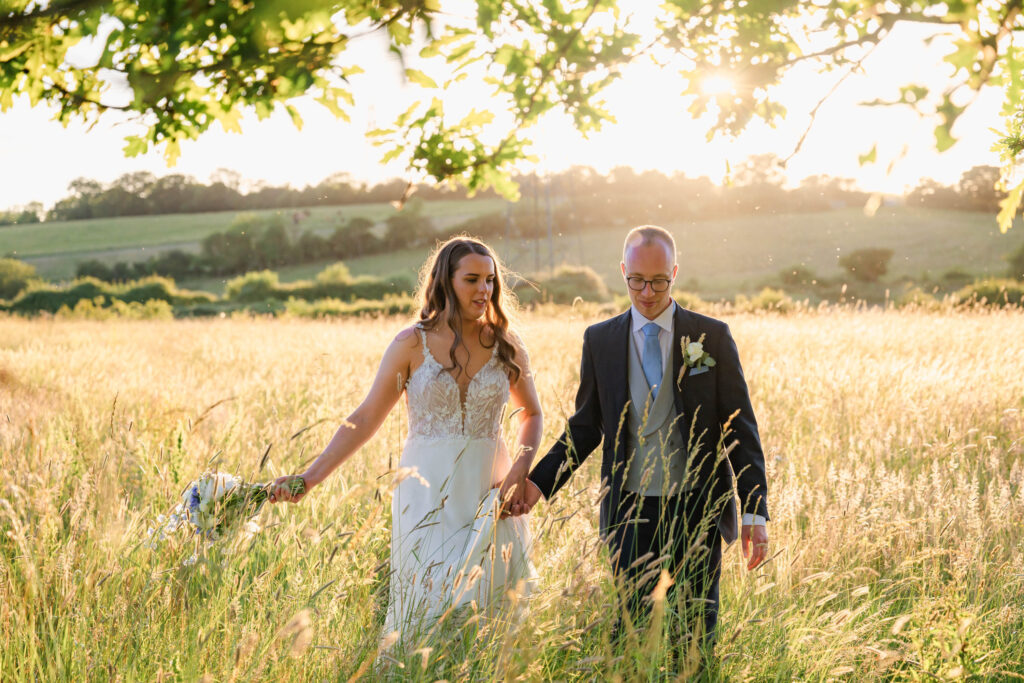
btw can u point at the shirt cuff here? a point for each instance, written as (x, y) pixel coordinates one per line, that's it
(751, 519)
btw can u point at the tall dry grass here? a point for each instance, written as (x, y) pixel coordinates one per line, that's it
(894, 449)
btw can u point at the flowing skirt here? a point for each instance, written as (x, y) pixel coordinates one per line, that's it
(449, 548)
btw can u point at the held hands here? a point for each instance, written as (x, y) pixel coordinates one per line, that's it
(291, 488)
(755, 544)
(518, 493)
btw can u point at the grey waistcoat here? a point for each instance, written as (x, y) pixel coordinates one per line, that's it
(655, 448)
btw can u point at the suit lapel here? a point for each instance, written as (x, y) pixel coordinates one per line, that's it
(615, 369)
(683, 326)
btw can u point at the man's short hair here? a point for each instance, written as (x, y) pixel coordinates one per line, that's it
(645, 235)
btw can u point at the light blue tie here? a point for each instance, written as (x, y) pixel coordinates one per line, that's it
(652, 357)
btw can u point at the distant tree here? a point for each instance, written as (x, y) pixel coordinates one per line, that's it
(272, 244)
(977, 188)
(227, 177)
(85, 187)
(83, 193)
(310, 247)
(933, 194)
(216, 197)
(138, 183)
(337, 188)
(759, 169)
(408, 227)
(122, 271)
(354, 238)
(867, 265)
(175, 264)
(173, 194)
(757, 184)
(15, 276)
(30, 213)
(94, 268)
(233, 251)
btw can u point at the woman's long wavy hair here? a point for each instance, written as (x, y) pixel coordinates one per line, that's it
(438, 300)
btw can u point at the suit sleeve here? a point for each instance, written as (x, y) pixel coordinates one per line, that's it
(746, 456)
(582, 435)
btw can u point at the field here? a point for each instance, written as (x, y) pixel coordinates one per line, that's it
(896, 472)
(55, 248)
(718, 258)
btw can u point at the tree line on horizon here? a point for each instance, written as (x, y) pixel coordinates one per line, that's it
(756, 185)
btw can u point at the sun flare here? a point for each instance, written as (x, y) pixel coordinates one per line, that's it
(716, 84)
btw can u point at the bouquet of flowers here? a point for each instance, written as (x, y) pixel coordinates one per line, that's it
(215, 503)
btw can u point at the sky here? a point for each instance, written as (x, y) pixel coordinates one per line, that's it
(39, 157)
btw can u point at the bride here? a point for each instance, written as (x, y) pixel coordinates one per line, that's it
(452, 541)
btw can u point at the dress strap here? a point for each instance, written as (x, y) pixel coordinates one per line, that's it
(427, 355)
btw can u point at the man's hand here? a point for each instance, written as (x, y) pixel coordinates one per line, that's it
(518, 493)
(755, 535)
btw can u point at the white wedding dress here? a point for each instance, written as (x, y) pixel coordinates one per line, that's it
(449, 548)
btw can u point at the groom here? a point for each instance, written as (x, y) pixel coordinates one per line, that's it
(679, 442)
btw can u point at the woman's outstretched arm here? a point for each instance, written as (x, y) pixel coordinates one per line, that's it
(363, 423)
(531, 429)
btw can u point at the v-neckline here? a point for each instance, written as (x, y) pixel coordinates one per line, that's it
(469, 385)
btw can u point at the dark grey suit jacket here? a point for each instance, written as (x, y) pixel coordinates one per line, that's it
(716, 420)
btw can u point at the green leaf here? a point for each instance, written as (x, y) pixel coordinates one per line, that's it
(135, 146)
(392, 154)
(400, 33)
(332, 106)
(294, 113)
(263, 109)
(171, 152)
(475, 119)
(229, 119)
(943, 138)
(504, 185)
(420, 78)
(870, 157)
(8, 53)
(1008, 206)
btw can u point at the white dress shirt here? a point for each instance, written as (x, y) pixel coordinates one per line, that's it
(665, 321)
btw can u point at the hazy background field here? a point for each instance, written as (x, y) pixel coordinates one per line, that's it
(894, 451)
(56, 247)
(718, 258)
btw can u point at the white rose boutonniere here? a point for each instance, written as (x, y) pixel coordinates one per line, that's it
(694, 357)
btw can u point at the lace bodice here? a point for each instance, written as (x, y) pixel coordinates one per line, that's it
(435, 403)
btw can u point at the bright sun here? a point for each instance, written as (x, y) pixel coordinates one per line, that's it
(716, 85)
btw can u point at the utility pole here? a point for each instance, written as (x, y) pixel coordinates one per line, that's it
(576, 219)
(536, 224)
(551, 239)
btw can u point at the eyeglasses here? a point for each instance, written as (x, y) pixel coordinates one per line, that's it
(637, 284)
